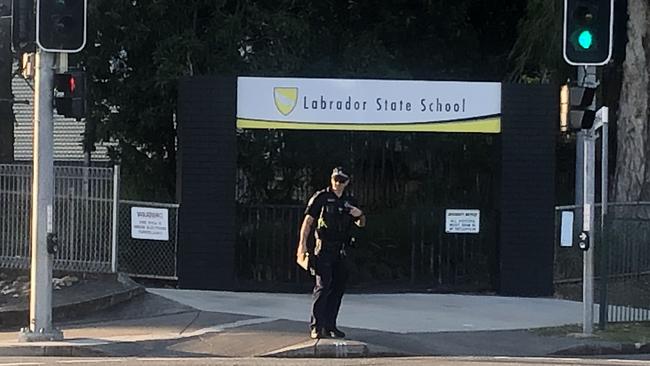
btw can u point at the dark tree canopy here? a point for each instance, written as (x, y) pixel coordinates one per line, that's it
(137, 51)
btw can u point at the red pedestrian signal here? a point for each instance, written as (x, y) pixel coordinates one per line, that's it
(69, 94)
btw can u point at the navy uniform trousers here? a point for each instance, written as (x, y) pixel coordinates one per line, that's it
(331, 277)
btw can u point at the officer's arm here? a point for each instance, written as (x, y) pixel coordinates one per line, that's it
(358, 216)
(305, 229)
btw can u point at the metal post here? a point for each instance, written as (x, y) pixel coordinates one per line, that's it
(42, 224)
(604, 241)
(588, 221)
(580, 160)
(116, 207)
(585, 169)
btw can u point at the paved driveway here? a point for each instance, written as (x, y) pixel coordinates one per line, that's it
(399, 313)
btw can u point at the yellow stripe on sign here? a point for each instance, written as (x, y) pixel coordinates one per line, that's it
(486, 125)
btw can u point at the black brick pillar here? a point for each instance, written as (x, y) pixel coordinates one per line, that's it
(207, 162)
(529, 128)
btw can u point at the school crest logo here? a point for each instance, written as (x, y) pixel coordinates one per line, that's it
(285, 99)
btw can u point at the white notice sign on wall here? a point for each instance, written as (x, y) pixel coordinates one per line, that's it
(149, 223)
(462, 221)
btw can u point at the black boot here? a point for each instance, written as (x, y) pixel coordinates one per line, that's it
(316, 333)
(336, 333)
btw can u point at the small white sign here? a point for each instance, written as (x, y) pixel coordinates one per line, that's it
(566, 229)
(462, 221)
(149, 223)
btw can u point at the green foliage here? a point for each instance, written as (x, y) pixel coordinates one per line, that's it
(137, 51)
(389, 169)
(537, 53)
(6, 113)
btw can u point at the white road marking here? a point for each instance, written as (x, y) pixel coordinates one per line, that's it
(93, 360)
(147, 337)
(170, 336)
(222, 327)
(571, 360)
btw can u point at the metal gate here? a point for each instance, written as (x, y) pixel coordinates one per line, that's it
(399, 249)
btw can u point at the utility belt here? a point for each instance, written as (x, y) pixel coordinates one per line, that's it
(324, 247)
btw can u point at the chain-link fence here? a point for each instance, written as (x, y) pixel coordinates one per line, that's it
(147, 239)
(621, 260)
(83, 210)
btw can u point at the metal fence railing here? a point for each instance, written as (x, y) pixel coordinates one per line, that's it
(83, 211)
(82, 217)
(398, 249)
(621, 260)
(15, 201)
(147, 239)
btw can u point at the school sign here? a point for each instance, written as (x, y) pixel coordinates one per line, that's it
(368, 105)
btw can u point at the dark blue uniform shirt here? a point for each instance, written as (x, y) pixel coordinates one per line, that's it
(331, 214)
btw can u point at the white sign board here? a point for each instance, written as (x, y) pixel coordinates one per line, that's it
(566, 229)
(149, 223)
(462, 221)
(385, 105)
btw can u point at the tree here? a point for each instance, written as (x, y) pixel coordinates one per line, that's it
(632, 176)
(626, 88)
(536, 56)
(137, 51)
(6, 97)
(432, 40)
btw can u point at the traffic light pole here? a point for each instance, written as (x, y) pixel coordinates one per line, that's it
(589, 157)
(42, 221)
(587, 43)
(604, 241)
(585, 196)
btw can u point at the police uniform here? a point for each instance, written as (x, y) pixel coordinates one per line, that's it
(333, 222)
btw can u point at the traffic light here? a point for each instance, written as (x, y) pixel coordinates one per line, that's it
(588, 26)
(61, 25)
(70, 94)
(23, 26)
(576, 108)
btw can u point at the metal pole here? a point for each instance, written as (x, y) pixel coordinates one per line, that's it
(116, 207)
(588, 221)
(42, 224)
(604, 241)
(586, 77)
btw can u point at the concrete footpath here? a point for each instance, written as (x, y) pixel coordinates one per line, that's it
(188, 323)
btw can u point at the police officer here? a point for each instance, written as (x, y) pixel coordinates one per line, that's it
(332, 213)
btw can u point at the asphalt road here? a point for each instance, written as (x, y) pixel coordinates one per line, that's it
(414, 361)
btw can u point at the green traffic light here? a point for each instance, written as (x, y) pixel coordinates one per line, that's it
(585, 39)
